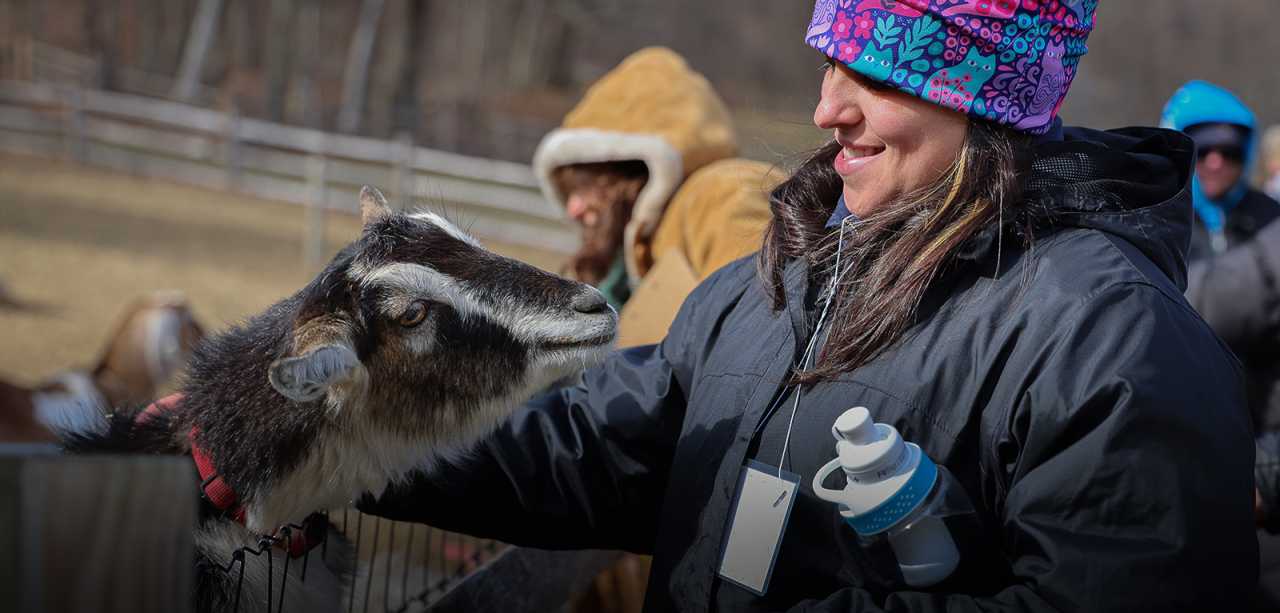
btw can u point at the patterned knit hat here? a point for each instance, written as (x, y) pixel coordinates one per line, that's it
(1007, 61)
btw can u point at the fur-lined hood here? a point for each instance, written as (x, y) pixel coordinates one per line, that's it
(652, 108)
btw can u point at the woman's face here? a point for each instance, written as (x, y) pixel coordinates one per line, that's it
(892, 142)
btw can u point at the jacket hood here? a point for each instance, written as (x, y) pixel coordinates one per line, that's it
(654, 108)
(1201, 102)
(1132, 183)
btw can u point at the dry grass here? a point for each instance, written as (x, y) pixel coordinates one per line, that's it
(87, 243)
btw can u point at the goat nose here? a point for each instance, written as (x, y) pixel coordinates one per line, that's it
(590, 302)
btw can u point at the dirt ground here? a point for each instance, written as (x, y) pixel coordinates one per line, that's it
(85, 243)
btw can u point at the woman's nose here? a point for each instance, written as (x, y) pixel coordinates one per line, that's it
(838, 107)
(576, 206)
(824, 116)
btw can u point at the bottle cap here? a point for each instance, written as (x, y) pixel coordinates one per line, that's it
(865, 447)
(855, 426)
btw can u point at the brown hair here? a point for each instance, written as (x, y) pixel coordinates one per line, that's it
(891, 257)
(611, 189)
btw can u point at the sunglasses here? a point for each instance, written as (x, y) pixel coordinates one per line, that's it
(1231, 152)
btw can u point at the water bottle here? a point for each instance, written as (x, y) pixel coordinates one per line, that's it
(892, 492)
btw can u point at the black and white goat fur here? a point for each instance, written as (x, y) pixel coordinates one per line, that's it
(410, 346)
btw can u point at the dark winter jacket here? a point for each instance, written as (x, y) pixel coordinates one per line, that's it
(1238, 293)
(1094, 420)
(1254, 212)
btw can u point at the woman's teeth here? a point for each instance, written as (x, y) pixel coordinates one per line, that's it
(860, 152)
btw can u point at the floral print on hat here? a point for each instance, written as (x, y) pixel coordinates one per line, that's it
(1007, 61)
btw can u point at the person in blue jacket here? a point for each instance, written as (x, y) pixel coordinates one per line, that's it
(1228, 210)
(1005, 292)
(1237, 293)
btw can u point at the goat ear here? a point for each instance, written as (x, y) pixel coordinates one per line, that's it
(373, 206)
(307, 377)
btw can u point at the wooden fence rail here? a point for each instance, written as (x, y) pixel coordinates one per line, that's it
(222, 150)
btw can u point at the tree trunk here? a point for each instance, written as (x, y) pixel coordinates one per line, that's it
(100, 25)
(356, 76)
(203, 28)
(279, 50)
(127, 29)
(524, 52)
(151, 37)
(173, 26)
(408, 98)
(35, 18)
(478, 18)
(309, 108)
(242, 36)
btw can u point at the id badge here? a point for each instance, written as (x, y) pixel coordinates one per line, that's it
(760, 513)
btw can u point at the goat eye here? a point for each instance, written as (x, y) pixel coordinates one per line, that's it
(415, 314)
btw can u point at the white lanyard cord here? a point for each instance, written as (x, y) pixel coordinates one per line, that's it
(813, 340)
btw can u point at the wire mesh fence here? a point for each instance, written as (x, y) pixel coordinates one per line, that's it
(400, 567)
(124, 532)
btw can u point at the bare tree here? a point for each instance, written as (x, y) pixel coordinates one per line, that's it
(534, 49)
(243, 39)
(309, 50)
(478, 34)
(100, 25)
(152, 14)
(408, 98)
(279, 50)
(177, 23)
(35, 17)
(356, 76)
(203, 27)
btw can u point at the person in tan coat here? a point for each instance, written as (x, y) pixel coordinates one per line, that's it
(644, 163)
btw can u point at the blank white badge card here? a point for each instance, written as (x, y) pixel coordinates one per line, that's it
(760, 514)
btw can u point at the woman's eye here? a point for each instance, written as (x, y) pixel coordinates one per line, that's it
(414, 314)
(879, 86)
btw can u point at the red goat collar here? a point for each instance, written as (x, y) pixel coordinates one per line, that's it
(216, 490)
(212, 485)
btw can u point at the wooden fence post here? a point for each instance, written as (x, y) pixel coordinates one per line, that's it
(95, 533)
(23, 57)
(73, 135)
(401, 195)
(232, 153)
(317, 203)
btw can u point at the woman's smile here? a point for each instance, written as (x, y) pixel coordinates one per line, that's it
(854, 157)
